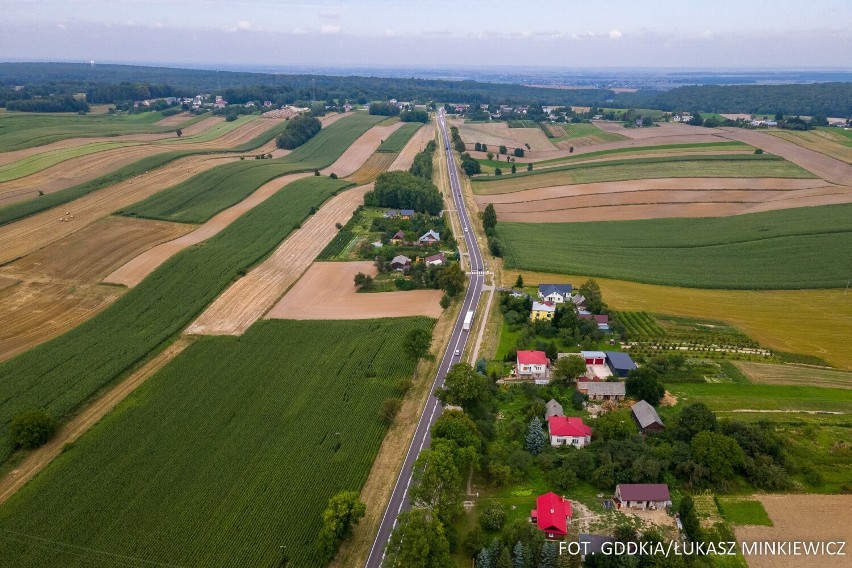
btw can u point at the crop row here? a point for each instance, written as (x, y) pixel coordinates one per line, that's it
(640, 325)
(400, 137)
(202, 196)
(63, 373)
(225, 458)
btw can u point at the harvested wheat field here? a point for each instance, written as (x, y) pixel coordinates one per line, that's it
(326, 292)
(662, 129)
(86, 168)
(413, 147)
(497, 133)
(57, 288)
(375, 165)
(36, 231)
(826, 167)
(825, 142)
(357, 154)
(793, 375)
(175, 119)
(809, 518)
(250, 297)
(134, 271)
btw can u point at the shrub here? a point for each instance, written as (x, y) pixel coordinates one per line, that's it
(493, 516)
(31, 429)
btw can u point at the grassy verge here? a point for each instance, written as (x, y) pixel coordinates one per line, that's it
(61, 374)
(739, 511)
(400, 137)
(199, 198)
(230, 477)
(741, 252)
(722, 166)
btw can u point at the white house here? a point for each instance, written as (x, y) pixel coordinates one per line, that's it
(534, 365)
(430, 237)
(568, 431)
(642, 495)
(556, 293)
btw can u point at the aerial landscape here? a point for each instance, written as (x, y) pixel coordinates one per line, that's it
(365, 285)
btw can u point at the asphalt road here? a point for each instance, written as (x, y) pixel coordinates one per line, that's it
(458, 340)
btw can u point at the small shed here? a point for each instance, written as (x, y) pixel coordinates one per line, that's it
(400, 262)
(553, 408)
(646, 418)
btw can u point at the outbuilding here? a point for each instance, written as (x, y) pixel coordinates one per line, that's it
(642, 495)
(619, 363)
(646, 418)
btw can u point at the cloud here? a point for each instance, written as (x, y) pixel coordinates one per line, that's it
(706, 34)
(329, 29)
(301, 31)
(615, 34)
(391, 33)
(329, 16)
(244, 25)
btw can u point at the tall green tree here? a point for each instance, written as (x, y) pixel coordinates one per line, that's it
(536, 439)
(718, 456)
(419, 541)
(489, 218)
(643, 384)
(569, 368)
(417, 343)
(437, 483)
(463, 386)
(695, 418)
(342, 513)
(451, 279)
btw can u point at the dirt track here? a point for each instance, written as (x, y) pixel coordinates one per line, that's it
(250, 297)
(801, 518)
(327, 292)
(38, 459)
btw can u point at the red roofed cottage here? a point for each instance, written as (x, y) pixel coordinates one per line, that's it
(534, 365)
(551, 515)
(568, 431)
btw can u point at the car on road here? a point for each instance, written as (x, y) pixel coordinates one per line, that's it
(458, 352)
(465, 229)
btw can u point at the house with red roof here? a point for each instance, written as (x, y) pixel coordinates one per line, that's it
(568, 431)
(551, 515)
(533, 365)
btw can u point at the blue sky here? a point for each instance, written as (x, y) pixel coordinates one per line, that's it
(611, 33)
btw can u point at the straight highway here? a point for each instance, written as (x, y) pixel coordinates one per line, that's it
(458, 340)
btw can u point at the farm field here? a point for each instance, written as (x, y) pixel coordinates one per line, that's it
(740, 252)
(803, 518)
(75, 171)
(414, 146)
(793, 375)
(565, 135)
(150, 485)
(326, 292)
(820, 324)
(199, 198)
(39, 229)
(753, 401)
(661, 129)
(493, 134)
(397, 140)
(834, 142)
(376, 164)
(63, 373)
(25, 130)
(651, 150)
(708, 166)
(247, 299)
(662, 198)
(741, 511)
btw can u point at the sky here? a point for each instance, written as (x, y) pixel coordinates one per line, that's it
(784, 34)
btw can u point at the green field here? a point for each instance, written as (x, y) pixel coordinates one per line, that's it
(752, 401)
(23, 209)
(37, 162)
(789, 249)
(400, 137)
(522, 124)
(229, 453)
(584, 130)
(63, 373)
(202, 196)
(722, 166)
(25, 130)
(641, 150)
(740, 511)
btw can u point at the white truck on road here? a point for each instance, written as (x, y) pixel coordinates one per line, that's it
(468, 319)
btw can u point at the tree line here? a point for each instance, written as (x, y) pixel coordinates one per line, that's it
(404, 190)
(298, 131)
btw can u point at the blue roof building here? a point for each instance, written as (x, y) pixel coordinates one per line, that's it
(619, 363)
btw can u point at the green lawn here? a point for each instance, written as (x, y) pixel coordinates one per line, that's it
(400, 137)
(199, 198)
(789, 249)
(730, 399)
(25, 130)
(229, 453)
(732, 165)
(740, 511)
(63, 373)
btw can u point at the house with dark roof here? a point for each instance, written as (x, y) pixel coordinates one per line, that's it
(579, 301)
(552, 408)
(551, 515)
(392, 213)
(568, 431)
(592, 544)
(436, 259)
(400, 262)
(597, 390)
(398, 238)
(646, 418)
(556, 293)
(533, 365)
(619, 363)
(406, 213)
(642, 496)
